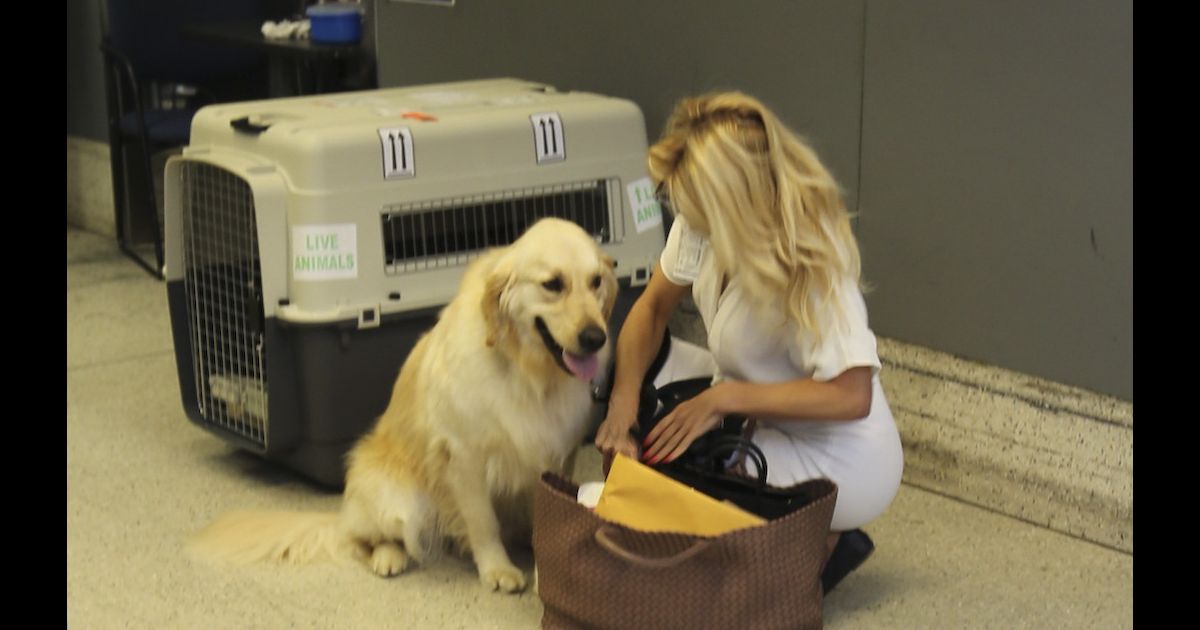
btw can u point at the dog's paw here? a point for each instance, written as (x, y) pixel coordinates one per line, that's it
(388, 559)
(508, 579)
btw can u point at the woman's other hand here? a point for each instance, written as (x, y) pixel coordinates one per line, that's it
(688, 421)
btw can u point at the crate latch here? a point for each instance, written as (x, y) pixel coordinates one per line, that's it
(368, 317)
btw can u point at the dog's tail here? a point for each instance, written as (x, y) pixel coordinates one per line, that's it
(248, 537)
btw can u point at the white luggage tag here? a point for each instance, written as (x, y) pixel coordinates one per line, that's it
(691, 251)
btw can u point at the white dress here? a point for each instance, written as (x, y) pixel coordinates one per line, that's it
(863, 457)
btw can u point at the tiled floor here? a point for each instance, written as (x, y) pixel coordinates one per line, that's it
(140, 478)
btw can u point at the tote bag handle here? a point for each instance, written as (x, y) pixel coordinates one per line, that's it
(606, 542)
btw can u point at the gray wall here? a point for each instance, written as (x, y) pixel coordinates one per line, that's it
(85, 79)
(997, 188)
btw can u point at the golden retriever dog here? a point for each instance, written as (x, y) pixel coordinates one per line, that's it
(493, 395)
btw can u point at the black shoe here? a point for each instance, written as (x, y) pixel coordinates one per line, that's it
(853, 547)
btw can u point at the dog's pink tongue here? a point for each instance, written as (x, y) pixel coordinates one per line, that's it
(584, 368)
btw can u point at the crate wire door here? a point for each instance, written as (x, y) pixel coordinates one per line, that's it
(223, 285)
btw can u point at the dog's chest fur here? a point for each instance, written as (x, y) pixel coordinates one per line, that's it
(482, 405)
(523, 432)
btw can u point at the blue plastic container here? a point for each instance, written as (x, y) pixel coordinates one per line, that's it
(335, 23)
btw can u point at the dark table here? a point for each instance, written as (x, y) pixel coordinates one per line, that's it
(298, 67)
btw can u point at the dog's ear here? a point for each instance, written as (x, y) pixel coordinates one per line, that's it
(610, 284)
(497, 282)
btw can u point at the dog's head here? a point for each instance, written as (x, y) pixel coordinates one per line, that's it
(549, 298)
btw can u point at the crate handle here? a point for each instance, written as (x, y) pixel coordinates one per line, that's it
(244, 125)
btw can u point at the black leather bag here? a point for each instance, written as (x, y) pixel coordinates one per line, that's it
(722, 463)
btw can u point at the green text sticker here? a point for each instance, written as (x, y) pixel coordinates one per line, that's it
(646, 211)
(325, 252)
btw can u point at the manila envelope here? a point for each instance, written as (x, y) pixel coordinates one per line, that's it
(642, 498)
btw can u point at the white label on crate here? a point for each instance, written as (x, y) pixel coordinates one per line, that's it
(399, 158)
(646, 211)
(549, 143)
(691, 251)
(325, 252)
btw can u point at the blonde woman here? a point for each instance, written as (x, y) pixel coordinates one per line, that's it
(762, 240)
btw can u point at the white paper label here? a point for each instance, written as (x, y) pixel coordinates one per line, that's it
(646, 211)
(325, 252)
(691, 250)
(399, 157)
(549, 143)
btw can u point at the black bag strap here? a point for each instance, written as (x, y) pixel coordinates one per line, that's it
(603, 393)
(739, 445)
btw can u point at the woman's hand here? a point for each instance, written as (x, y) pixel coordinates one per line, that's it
(691, 419)
(613, 435)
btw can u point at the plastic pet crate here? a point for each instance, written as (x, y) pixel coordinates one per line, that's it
(310, 241)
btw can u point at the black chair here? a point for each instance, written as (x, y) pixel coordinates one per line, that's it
(156, 79)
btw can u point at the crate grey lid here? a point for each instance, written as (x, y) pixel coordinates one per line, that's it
(330, 141)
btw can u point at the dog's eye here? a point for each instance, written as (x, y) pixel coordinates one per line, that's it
(595, 282)
(554, 285)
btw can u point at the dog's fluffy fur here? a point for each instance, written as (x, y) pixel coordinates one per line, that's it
(493, 395)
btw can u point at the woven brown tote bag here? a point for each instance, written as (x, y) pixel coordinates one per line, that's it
(600, 575)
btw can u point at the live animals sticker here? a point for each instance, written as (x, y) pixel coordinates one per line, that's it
(646, 211)
(325, 252)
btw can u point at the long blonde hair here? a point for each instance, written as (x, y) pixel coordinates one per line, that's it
(772, 212)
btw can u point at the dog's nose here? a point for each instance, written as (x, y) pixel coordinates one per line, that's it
(592, 339)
